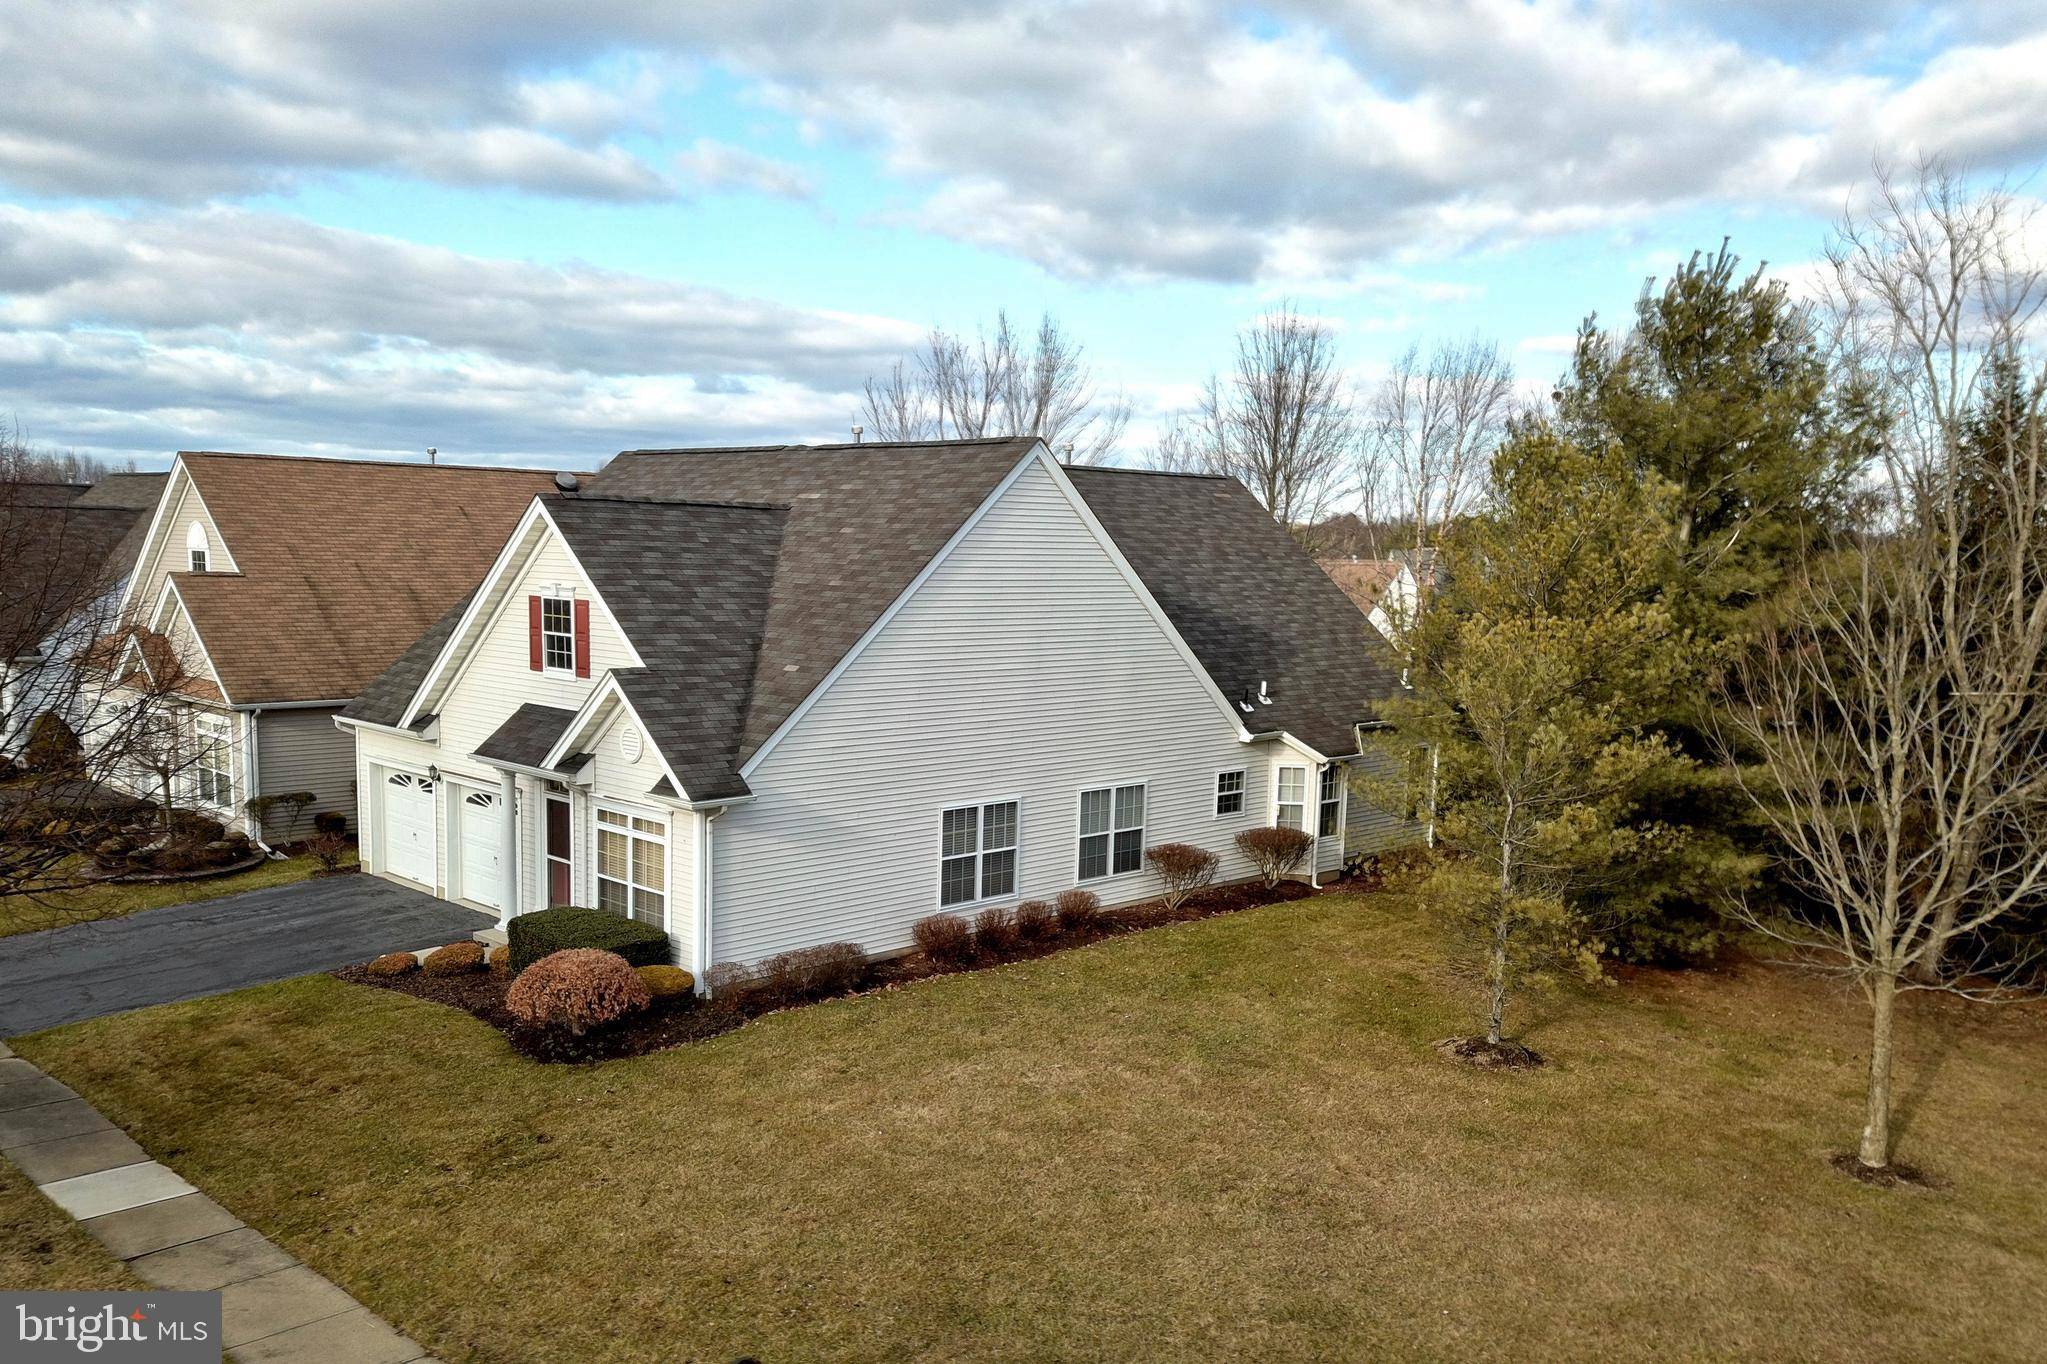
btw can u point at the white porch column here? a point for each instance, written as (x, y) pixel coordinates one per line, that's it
(514, 870)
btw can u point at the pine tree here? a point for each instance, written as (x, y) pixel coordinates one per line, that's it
(1720, 391)
(1535, 682)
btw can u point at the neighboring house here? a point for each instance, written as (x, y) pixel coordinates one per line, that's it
(1384, 589)
(283, 585)
(776, 697)
(68, 560)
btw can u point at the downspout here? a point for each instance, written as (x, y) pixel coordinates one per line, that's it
(515, 870)
(700, 940)
(250, 791)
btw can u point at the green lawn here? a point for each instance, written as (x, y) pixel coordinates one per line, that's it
(19, 914)
(1228, 1139)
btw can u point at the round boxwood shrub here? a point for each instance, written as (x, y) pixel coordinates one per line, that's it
(394, 964)
(666, 982)
(575, 990)
(456, 959)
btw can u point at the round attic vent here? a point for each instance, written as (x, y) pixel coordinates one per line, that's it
(629, 743)
(567, 482)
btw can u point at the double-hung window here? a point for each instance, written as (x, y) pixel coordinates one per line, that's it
(1111, 831)
(1331, 816)
(1229, 793)
(558, 634)
(632, 866)
(976, 852)
(1292, 799)
(213, 774)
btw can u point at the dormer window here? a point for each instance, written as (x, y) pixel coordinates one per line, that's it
(197, 551)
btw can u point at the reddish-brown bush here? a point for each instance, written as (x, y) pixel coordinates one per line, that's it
(501, 959)
(393, 964)
(1181, 869)
(727, 980)
(328, 849)
(995, 931)
(457, 958)
(1078, 910)
(944, 938)
(1035, 921)
(575, 990)
(1275, 851)
(808, 973)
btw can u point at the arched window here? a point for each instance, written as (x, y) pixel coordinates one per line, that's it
(196, 547)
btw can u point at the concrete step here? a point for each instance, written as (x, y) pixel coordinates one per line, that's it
(490, 937)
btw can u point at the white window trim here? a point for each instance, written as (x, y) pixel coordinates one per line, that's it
(1144, 830)
(560, 594)
(201, 720)
(1243, 774)
(1322, 802)
(980, 808)
(1279, 780)
(601, 807)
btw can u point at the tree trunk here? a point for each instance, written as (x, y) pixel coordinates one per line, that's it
(1496, 960)
(1876, 1130)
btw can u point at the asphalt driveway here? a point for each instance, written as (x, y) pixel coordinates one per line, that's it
(79, 971)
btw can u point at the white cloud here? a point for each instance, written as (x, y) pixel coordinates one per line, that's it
(718, 166)
(139, 335)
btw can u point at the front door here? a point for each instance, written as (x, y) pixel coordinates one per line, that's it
(481, 843)
(561, 881)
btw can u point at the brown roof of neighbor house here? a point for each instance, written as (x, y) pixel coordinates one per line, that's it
(1362, 580)
(340, 564)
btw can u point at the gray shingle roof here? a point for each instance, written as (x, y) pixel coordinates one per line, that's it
(527, 736)
(1249, 601)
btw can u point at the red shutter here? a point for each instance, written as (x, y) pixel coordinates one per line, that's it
(582, 637)
(533, 654)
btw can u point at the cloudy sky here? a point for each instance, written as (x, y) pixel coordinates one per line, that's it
(537, 232)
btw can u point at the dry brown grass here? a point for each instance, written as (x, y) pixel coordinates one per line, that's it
(1227, 1139)
(43, 1250)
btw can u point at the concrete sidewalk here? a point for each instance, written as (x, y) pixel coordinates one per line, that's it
(272, 1307)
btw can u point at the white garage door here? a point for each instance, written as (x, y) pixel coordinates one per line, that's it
(406, 842)
(480, 841)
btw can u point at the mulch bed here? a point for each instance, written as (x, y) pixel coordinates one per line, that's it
(482, 993)
(1502, 1055)
(1896, 1175)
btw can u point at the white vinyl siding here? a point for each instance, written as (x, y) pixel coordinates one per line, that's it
(1025, 662)
(301, 750)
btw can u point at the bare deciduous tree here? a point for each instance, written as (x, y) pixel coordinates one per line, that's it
(1894, 700)
(1431, 428)
(1281, 422)
(998, 384)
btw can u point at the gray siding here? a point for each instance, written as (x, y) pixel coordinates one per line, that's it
(1368, 828)
(1025, 668)
(301, 750)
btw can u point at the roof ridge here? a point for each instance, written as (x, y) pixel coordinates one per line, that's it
(1148, 473)
(631, 498)
(369, 463)
(949, 443)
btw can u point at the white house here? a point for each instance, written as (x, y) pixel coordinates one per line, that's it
(776, 697)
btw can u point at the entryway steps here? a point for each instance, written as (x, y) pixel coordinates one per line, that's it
(272, 1308)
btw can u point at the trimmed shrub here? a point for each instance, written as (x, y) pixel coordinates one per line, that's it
(1035, 921)
(1078, 910)
(726, 980)
(191, 826)
(1182, 869)
(1275, 851)
(995, 931)
(575, 990)
(456, 959)
(944, 938)
(330, 822)
(666, 982)
(819, 972)
(500, 959)
(533, 936)
(393, 964)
